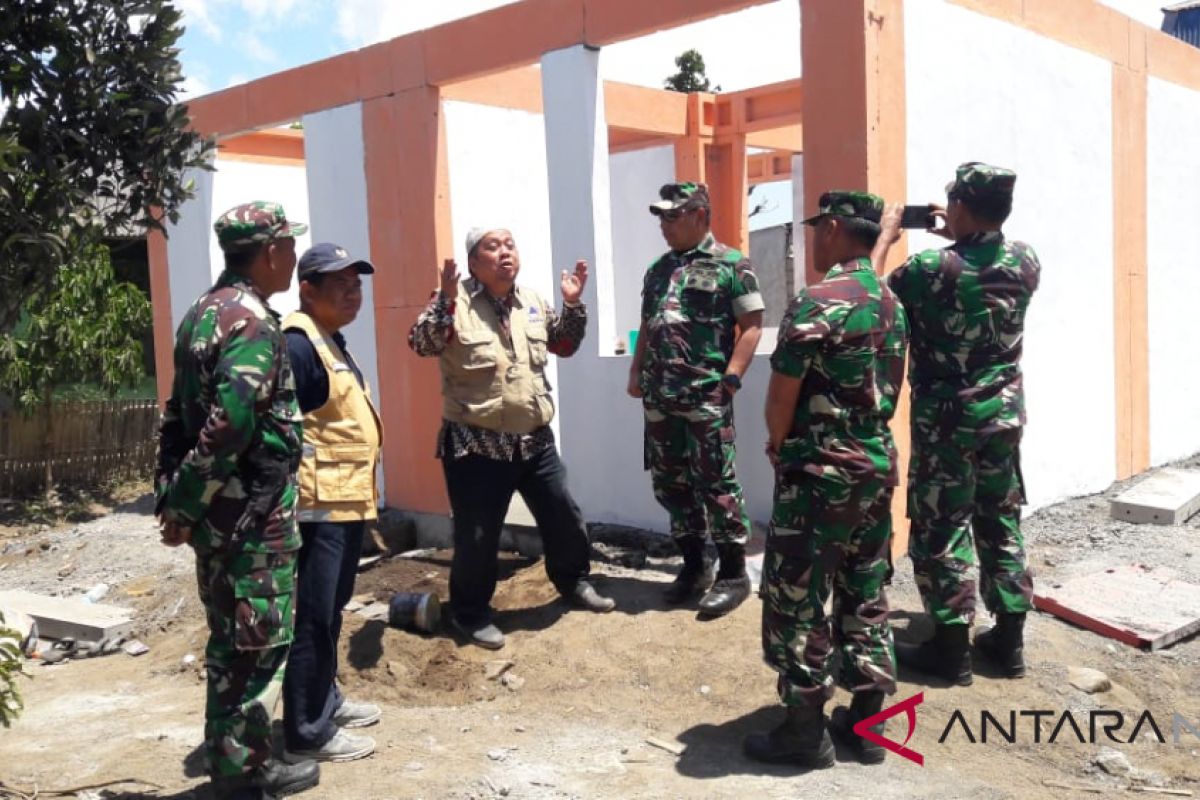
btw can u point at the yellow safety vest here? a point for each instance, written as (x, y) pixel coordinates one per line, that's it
(341, 439)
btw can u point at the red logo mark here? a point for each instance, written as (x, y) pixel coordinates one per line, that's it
(908, 706)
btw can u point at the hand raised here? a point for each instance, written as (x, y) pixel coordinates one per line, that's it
(573, 282)
(449, 279)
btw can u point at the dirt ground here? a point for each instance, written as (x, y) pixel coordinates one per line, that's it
(588, 691)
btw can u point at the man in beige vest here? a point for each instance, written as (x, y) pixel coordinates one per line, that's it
(342, 437)
(494, 339)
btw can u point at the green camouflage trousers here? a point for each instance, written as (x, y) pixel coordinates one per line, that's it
(248, 599)
(691, 461)
(959, 485)
(828, 536)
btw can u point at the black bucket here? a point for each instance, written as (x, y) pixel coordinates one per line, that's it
(418, 611)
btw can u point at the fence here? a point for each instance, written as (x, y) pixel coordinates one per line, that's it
(90, 443)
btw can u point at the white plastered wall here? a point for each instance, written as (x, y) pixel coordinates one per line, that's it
(192, 250)
(634, 180)
(187, 247)
(1173, 208)
(337, 201)
(1045, 110)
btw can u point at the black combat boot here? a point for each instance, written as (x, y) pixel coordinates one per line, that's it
(800, 740)
(278, 778)
(947, 655)
(843, 720)
(697, 573)
(1004, 644)
(733, 584)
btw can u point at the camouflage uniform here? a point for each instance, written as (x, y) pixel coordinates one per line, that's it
(690, 305)
(229, 447)
(966, 304)
(830, 532)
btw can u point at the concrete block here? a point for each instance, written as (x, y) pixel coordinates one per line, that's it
(1141, 607)
(68, 617)
(1166, 498)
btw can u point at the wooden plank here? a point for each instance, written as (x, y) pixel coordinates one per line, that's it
(1130, 603)
(63, 617)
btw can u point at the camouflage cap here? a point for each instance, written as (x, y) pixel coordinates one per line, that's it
(857, 205)
(978, 180)
(254, 223)
(680, 195)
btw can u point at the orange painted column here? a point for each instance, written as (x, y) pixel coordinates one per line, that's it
(689, 150)
(164, 329)
(1130, 323)
(726, 168)
(855, 133)
(408, 193)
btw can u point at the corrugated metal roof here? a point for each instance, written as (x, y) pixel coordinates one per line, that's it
(1183, 22)
(1185, 6)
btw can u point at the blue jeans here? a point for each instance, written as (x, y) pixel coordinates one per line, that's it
(324, 584)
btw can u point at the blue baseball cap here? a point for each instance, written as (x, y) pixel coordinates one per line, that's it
(329, 257)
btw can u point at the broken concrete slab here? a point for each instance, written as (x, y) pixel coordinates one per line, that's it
(1168, 497)
(70, 617)
(1133, 604)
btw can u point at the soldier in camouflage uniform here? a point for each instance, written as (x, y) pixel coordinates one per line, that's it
(688, 364)
(229, 446)
(837, 370)
(966, 304)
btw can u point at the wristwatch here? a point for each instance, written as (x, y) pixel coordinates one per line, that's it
(732, 381)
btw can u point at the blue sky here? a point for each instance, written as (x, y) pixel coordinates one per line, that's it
(228, 42)
(231, 41)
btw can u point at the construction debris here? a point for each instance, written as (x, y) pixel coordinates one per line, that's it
(662, 744)
(1088, 680)
(69, 618)
(1133, 604)
(1167, 497)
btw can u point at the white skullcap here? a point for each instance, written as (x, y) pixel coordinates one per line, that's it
(476, 234)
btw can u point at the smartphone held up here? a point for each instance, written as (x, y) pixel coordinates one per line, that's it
(917, 217)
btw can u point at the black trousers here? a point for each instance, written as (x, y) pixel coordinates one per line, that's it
(324, 584)
(480, 490)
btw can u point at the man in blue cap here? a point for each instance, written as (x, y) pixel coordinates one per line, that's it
(342, 438)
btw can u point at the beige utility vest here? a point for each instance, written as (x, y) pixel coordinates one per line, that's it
(486, 384)
(341, 440)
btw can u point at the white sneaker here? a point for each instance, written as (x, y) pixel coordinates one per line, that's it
(342, 747)
(356, 715)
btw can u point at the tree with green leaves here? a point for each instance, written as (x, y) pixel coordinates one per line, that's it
(691, 76)
(92, 143)
(87, 325)
(10, 669)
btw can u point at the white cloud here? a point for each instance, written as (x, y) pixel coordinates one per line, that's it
(756, 46)
(1147, 12)
(363, 22)
(193, 86)
(252, 45)
(752, 47)
(195, 14)
(201, 13)
(270, 9)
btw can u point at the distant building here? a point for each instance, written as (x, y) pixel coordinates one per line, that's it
(1182, 20)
